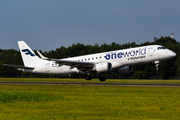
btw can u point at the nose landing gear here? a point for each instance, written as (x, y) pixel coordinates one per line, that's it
(157, 64)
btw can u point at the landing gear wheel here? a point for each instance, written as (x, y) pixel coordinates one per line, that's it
(102, 78)
(88, 77)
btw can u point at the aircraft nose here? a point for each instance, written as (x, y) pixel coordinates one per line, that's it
(172, 54)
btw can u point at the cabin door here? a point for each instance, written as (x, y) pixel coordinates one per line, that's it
(150, 51)
(48, 67)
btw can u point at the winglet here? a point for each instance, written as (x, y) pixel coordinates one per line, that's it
(44, 58)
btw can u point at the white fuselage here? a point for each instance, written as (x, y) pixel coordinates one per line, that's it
(118, 59)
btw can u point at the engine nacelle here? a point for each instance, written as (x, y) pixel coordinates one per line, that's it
(103, 67)
(125, 70)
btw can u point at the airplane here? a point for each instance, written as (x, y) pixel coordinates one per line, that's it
(120, 61)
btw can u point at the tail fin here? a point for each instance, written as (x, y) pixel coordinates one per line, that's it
(29, 57)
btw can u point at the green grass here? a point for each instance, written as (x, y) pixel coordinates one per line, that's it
(7, 97)
(140, 81)
(45, 102)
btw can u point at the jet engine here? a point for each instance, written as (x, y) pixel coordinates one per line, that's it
(103, 67)
(125, 70)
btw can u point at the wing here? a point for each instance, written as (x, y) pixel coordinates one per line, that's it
(81, 66)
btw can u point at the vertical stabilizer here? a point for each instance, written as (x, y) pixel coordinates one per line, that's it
(29, 57)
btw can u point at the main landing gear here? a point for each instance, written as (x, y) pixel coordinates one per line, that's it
(88, 77)
(101, 78)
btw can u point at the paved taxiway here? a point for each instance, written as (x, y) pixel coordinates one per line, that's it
(93, 84)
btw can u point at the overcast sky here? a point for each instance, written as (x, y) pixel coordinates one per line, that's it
(48, 24)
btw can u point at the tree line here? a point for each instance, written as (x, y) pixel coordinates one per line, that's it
(168, 69)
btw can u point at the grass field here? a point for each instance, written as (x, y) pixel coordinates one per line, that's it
(46, 102)
(147, 81)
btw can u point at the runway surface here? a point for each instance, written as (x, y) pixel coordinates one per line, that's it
(92, 84)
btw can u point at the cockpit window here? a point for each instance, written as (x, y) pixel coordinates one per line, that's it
(159, 48)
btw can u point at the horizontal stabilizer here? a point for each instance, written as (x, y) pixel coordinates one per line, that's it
(17, 66)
